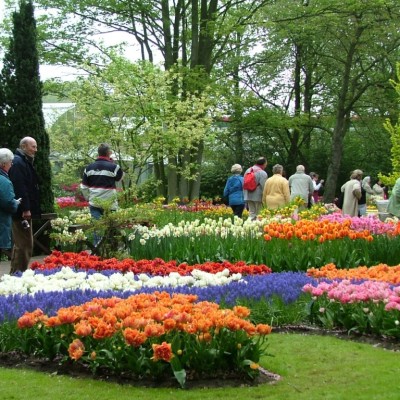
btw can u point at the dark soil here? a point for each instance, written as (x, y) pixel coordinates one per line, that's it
(383, 342)
(18, 360)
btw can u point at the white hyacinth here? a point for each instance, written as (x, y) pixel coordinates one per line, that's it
(69, 279)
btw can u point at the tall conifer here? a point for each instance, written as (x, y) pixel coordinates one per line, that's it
(22, 90)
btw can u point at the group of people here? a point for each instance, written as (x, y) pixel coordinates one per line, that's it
(20, 196)
(277, 191)
(19, 202)
(356, 192)
(272, 192)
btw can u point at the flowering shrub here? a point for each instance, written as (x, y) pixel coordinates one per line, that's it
(363, 307)
(60, 227)
(381, 272)
(151, 335)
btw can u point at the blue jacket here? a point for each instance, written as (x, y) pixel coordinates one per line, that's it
(26, 184)
(234, 190)
(8, 206)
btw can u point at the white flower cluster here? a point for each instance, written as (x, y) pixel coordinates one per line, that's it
(61, 232)
(32, 282)
(75, 217)
(221, 228)
(67, 237)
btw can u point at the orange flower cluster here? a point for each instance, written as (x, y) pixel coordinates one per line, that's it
(144, 316)
(380, 272)
(314, 230)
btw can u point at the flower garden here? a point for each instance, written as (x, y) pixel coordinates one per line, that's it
(194, 293)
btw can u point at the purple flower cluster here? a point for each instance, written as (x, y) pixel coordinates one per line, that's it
(286, 285)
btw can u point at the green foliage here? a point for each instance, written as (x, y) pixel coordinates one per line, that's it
(143, 113)
(394, 131)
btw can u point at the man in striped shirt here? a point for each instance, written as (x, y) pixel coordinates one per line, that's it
(99, 181)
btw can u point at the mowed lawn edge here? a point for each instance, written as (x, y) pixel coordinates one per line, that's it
(311, 367)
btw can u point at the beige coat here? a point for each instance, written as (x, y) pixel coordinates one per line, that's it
(276, 192)
(352, 192)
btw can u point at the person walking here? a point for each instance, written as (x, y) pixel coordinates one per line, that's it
(366, 193)
(301, 185)
(234, 190)
(26, 187)
(379, 189)
(99, 181)
(276, 189)
(8, 203)
(352, 193)
(393, 207)
(317, 186)
(253, 198)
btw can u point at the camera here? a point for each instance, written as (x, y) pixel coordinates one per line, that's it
(25, 224)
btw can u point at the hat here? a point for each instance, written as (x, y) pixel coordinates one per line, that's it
(236, 169)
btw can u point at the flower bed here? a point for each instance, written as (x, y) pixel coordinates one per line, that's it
(381, 272)
(157, 266)
(369, 307)
(148, 335)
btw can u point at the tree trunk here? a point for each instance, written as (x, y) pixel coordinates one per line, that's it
(342, 126)
(345, 100)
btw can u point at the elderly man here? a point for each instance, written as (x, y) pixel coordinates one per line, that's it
(352, 193)
(301, 185)
(26, 186)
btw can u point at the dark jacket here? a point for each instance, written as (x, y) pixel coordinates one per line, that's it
(99, 182)
(26, 184)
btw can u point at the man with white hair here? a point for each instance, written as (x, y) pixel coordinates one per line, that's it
(301, 185)
(26, 186)
(352, 193)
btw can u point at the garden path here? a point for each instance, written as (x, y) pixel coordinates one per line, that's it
(5, 265)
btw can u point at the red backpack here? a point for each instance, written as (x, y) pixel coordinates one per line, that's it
(250, 182)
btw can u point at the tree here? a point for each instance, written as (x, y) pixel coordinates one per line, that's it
(193, 35)
(141, 111)
(337, 56)
(23, 96)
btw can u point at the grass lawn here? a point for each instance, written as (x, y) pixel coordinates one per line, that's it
(312, 367)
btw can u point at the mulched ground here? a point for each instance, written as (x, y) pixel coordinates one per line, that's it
(18, 360)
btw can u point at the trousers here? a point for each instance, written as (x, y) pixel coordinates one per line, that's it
(254, 208)
(23, 246)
